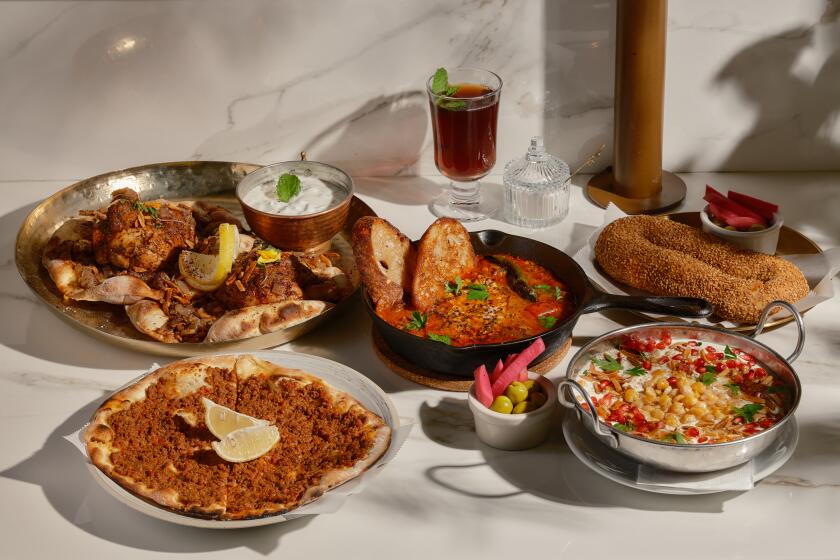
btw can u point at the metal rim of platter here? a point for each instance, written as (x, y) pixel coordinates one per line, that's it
(213, 181)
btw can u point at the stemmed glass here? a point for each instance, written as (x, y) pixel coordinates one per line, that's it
(464, 130)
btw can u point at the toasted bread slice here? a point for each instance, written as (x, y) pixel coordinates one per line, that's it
(385, 258)
(445, 251)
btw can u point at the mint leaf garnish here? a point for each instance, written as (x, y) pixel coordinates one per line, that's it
(288, 187)
(728, 353)
(440, 82)
(708, 378)
(734, 389)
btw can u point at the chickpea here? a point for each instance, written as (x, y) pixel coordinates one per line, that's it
(657, 414)
(699, 409)
(630, 394)
(687, 389)
(679, 398)
(690, 400)
(698, 388)
(689, 418)
(649, 391)
(709, 417)
(671, 420)
(665, 402)
(662, 384)
(709, 397)
(647, 399)
(677, 408)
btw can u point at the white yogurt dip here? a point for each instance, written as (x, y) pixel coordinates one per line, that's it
(315, 196)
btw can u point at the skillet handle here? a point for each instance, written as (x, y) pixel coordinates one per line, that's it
(571, 402)
(678, 306)
(800, 325)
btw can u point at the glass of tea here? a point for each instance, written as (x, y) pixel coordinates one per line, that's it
(464, 116)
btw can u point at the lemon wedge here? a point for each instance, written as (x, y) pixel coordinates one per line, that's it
(208, 272)
(221, 420)
(247, 444)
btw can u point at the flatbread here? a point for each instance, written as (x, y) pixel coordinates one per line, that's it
(262, 319)
(150, 438)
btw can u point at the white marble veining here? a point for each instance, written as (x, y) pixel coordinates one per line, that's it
(446, 494)
(751, 85)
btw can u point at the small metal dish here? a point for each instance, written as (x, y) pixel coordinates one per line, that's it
(687, 457)
(307, 232)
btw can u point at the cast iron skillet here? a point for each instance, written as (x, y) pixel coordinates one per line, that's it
(460, 361)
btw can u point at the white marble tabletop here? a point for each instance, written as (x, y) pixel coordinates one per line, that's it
(446, 494)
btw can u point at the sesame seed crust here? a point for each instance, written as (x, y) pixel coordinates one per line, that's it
(667, 258)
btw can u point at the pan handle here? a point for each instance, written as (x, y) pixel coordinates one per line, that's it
(678, 306)
(800, 325)
(570, 402)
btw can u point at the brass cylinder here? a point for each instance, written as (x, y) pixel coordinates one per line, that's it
(639, 97)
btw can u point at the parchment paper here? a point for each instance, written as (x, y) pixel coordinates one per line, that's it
(818, 271)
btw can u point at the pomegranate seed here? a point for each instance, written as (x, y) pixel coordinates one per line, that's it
(720, 367)
(672, 381)
(646, 364)
(703, 439)
(666, 338)
(692, 432)
(731, 364)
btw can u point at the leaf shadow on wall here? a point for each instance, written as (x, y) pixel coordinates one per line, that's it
(382, 138)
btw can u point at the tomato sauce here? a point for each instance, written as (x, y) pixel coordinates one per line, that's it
(487, 305)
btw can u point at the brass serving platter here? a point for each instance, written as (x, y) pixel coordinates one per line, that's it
(791, 242)
(213, 181)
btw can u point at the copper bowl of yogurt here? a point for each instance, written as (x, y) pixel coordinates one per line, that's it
(309, 220)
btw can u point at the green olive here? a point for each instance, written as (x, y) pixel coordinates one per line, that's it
(501, 404)
(530, 384)
(522, 407)
(730, 228)
(516, 392)
(757, 227)
(537, 400)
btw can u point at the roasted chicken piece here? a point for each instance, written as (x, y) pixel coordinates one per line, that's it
(250, 283)
(141, 236)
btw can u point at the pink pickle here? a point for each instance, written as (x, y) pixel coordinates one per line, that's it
(518, 364)
(497, 371)
(523, 375)
(509, 359)
(483, 390)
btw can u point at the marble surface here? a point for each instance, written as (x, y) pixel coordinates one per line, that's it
(751, 85)
(446, 494)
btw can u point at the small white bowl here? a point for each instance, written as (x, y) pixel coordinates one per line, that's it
(763, 241)
(513, 432)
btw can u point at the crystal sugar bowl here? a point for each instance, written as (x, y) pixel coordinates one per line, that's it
(536, 188)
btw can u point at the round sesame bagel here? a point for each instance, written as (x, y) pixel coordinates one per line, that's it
(667, 258)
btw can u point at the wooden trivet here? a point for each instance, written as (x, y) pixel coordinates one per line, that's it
(442, 381)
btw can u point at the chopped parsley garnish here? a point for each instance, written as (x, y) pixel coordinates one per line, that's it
(547, 321)
(150, 210)
(675, 437)
(608, 363)
(440, 338)
(477, 291)
(728, 353)
(288, 187)
(708, 378)
(558, 293)
(628, 427)
(711, 369)
(748, 411)
(734, 389)
(635, 371)
(454, 287)
(418, 321)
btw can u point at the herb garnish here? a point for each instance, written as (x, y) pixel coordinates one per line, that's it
(748, 411)
(708, 378)
(635, 371)
(288, 187)
(418, 321)
(558, 293)
(728, 353)
(547, 321)
(440, 86)
(608, 363)
(150, 210)
(454, 287)
(628, 427)
(441, 338)
(477, 291)
(675, 437)
(734, 388)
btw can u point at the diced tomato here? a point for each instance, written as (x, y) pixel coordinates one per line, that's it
(584, 406)
(703, 439)
(638, 416)
(731, 364)
(672, 381)
(617, 416)
(646, 364)
(594, 400)
(603, 385)
(607, 400)
(664, 360)
(720, 367)
(692, 432)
